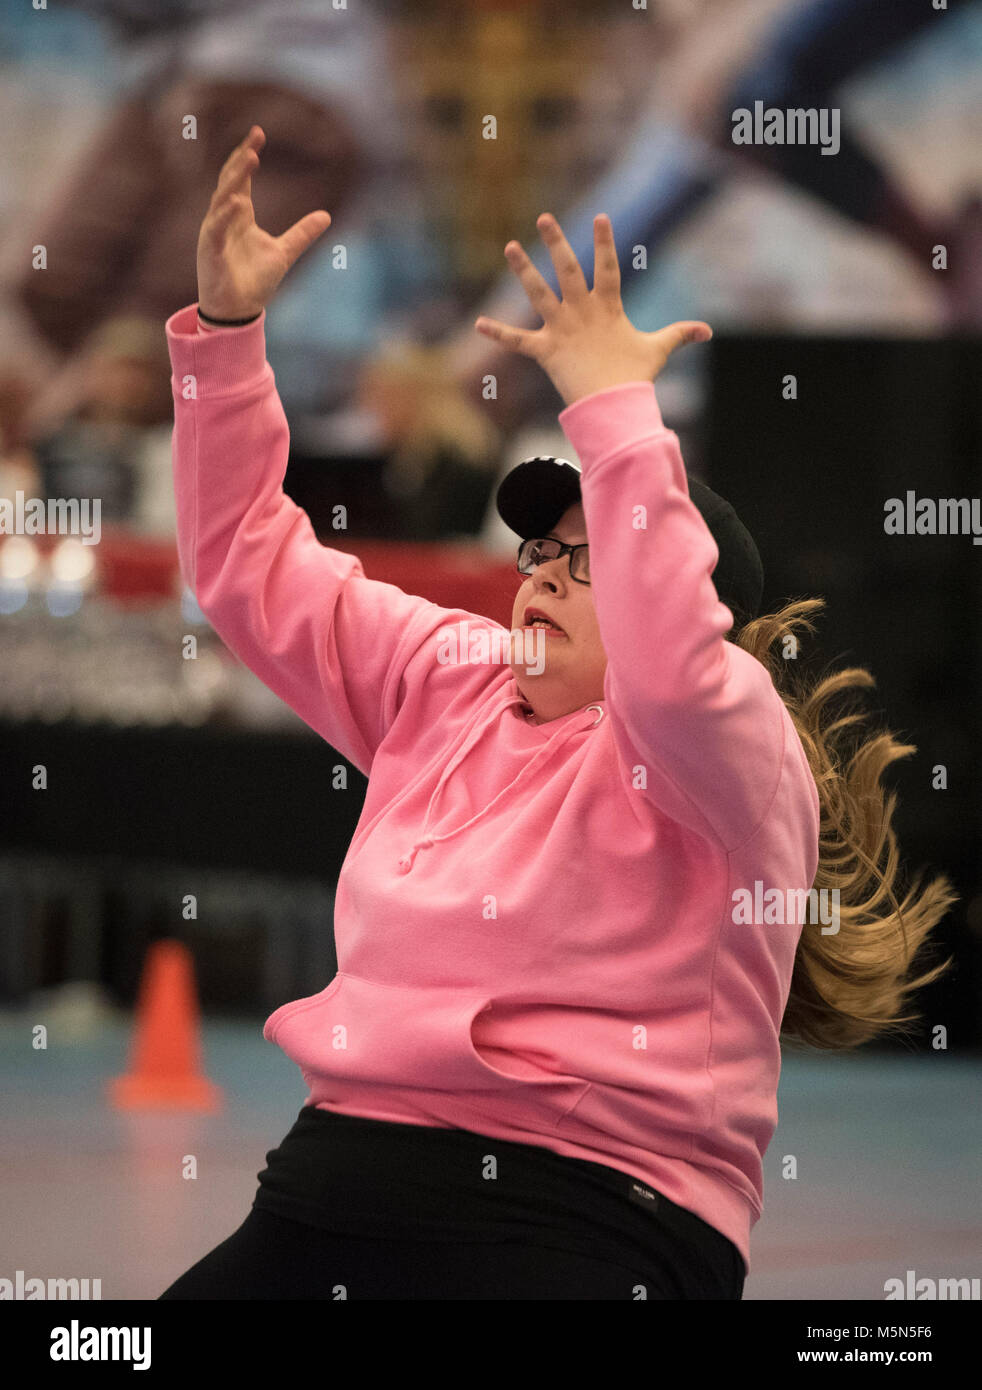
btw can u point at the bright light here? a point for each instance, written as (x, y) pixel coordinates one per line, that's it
(19, 557)
(72, 562)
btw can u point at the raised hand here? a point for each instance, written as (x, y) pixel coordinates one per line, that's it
(240, 265)
(587, 342)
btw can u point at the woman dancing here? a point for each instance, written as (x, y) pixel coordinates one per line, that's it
(574, 921)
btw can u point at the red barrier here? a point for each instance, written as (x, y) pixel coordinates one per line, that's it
(133, 569)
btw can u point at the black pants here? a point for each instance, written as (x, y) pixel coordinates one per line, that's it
(272, 1257)
(356, 1208)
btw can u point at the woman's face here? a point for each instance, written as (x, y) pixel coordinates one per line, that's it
(572, 674)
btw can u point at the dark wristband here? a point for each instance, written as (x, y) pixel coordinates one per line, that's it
(229, 323)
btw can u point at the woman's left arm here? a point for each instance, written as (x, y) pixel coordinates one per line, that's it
(698, 723)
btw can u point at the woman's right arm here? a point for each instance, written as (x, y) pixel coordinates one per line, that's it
(302, 616)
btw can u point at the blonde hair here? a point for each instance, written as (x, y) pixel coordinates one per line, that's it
(850, 986)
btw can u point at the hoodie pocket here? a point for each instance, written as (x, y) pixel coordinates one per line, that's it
(410, 1037)
(271, 1027)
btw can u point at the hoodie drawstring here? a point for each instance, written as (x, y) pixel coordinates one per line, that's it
(471, 737)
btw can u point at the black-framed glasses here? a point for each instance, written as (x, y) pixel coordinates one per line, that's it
(535, 552)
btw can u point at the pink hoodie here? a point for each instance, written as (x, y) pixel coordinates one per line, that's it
(536, 924)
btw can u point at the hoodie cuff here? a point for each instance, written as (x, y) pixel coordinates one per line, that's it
(224, 359)
(612, 419)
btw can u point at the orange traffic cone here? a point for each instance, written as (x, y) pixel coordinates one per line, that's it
(164, 1065)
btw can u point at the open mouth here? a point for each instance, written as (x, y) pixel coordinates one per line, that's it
(535, 618)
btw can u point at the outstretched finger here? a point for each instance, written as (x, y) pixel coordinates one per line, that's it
(606, 269)
(237, 178)
(304, 233)
(218, 220)
(518, 339)
(540, 296)
(676, 335)
(238, 169)
(570, 276)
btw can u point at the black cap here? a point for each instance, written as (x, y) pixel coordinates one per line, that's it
(536, 493)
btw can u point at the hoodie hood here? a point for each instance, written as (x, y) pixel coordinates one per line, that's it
(556, 734)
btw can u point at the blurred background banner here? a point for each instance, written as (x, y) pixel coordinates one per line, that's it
(844, 287)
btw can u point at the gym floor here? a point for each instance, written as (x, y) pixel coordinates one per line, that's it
(886, 1147)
